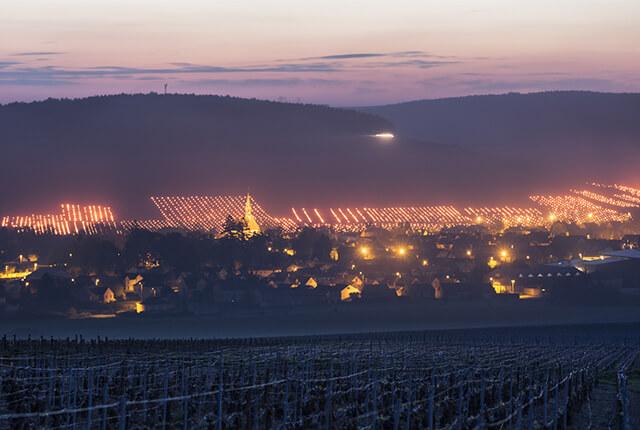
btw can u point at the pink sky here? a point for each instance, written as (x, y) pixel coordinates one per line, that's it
(334, 51)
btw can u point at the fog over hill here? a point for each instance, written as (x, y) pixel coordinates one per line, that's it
(121, 149)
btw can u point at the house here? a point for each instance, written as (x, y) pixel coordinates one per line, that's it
(131, 280)
(112, 282)
(145, 285)
(534, 282)
(108, 296)
(18, 269)
(349, 293)
(605, 261)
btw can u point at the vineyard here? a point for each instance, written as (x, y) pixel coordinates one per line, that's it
(597, 203)
(583, 377)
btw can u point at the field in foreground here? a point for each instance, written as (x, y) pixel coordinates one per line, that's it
(554, 377)
(322, 320)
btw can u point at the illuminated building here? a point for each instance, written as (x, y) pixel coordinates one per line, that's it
(505, 256)
(348, 293)
(251, 227)
(532, 282)
(402, 251)
(365, 252)
(108, 296)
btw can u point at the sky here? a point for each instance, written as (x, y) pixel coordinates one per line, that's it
(337, 52)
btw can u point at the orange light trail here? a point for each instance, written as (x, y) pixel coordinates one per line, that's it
(72, 219)
(318, 215)
(304, 211)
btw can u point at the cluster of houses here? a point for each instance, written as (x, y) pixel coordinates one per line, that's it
(363, 267)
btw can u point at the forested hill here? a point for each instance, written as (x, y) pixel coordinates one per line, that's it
(560, 120)
(126, 147)
(149, 119)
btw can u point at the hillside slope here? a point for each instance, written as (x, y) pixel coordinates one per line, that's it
(121, 149)
(559, 120)
(124, 148)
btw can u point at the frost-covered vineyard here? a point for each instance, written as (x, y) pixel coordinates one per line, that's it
(526, 378)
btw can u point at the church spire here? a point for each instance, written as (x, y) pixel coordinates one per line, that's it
(251, 225)
(247, 207)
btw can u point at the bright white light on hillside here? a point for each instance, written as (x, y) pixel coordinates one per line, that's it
(384, 135)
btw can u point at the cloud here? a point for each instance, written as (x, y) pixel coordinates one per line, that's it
(53, 73)
(24, 73)
(188, 68)
(365, 55)
(5, 64)
(407, 59)
(346, 56)
(270, 82)
(36, 53)
(419, 64)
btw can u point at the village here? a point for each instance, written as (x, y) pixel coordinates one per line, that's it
(245, 269)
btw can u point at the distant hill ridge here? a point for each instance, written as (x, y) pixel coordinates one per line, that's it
(188, 109)
(579, 118)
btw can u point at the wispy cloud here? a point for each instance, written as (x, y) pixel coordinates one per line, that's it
(345, 56)
(54, 73)
(365, 55)
(418, 64)
(377, 60)
(28, 73)
(4, 64)
(36, 53)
